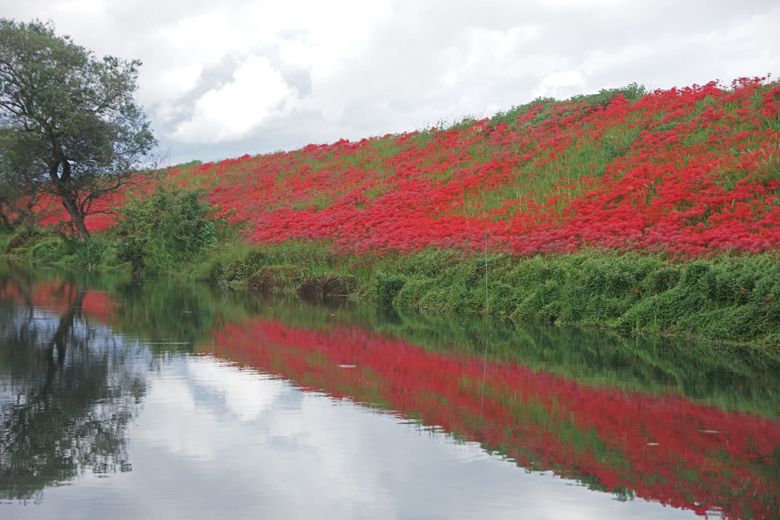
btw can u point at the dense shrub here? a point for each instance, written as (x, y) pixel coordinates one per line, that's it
(160, 232)
(387, 287)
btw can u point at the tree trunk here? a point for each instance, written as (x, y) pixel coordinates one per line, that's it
(78, 223)
(76, 216)
(68, 198)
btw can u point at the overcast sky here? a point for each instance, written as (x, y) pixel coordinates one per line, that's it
(224, 78)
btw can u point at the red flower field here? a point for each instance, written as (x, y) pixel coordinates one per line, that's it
(688, 171)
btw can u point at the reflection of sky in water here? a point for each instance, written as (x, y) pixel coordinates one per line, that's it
(212, 440)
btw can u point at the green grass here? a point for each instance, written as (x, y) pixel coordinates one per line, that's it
(728, 298)
(5, 237)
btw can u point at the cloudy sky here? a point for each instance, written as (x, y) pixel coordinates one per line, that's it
(224, 78)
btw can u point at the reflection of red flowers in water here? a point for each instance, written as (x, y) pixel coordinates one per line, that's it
(98, 305)
(51, 295)
(59, 297)
(689, 171)
(664, 448)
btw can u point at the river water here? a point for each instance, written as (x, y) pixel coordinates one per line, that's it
(168, 400)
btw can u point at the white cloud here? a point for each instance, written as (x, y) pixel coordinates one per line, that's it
(246, 393)
(556, 83)
(171, 84)
(239, 76)
(231, 111)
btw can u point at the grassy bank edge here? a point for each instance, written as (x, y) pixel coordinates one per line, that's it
(727, 299)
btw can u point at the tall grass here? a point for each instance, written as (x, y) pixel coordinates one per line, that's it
(727, 298)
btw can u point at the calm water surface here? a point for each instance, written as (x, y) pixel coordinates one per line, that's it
(173, 401)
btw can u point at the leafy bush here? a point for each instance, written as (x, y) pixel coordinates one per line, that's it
(160, 232)
(48, 250)
(387, 287)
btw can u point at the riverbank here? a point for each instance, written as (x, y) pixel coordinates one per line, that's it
(727, 299)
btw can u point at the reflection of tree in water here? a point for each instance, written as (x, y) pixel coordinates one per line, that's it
(67, 393)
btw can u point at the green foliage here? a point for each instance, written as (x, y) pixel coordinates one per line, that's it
(723, 299)
(34, 245)
(160, 233)
(278, 278)
(91, 253)
(48, 250)
(510, 116)
(388, 285)
(19, 178)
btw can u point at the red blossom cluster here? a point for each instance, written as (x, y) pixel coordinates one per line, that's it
(689, 171)
(664, 448)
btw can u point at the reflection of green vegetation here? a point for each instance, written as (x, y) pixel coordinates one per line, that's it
(736, 379)
(166, 313)
(541, 421)
(170, 312)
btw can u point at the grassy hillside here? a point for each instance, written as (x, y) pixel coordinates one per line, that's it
(690, 171)
(653, 212)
